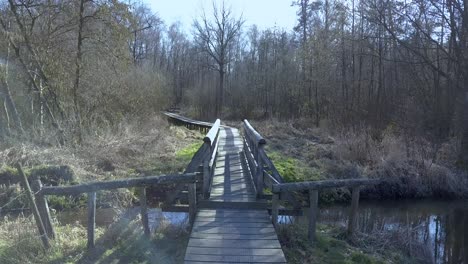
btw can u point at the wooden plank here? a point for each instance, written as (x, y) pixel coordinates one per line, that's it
(233, 220)
(232, 215)
(243, 230)
(233, 236)
(237, 259)
(233, 243)
(231, 225)
(123, 183)
(204, 262)
(302, 186)
(235, 251)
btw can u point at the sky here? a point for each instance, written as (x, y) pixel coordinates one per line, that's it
(263, 13)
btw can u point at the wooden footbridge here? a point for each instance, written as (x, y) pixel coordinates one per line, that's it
(224, 185)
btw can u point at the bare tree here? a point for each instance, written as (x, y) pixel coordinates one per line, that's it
(214, 37)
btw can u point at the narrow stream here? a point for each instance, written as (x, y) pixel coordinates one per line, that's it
(106, 216)
(439, 227)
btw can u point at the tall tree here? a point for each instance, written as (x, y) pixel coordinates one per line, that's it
(214, 37)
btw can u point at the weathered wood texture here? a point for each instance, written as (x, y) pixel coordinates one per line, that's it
(32, 204)
(227, 235)
(91, 218)
(188, 122)
(230, 181)
(43, 207)
(240, 236)
(353, 215)
(124, 183)
(303, 186)
(144, 212)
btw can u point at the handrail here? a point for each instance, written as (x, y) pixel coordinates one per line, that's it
(44, 220)
(205, 157)
(258, 138)
(211, 136)
(325, 184)
(260, 164)
(121, 183)
(188, 122)
(313, 187)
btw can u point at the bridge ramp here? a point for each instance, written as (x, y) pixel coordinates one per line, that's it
(232, 235)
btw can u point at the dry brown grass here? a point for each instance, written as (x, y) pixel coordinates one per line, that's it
(108, 152)
(413, 166)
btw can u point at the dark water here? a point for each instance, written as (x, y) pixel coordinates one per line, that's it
(439, 229)
(106, 216)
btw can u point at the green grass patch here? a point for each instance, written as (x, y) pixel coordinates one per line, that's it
(329, 247)
(187, 153)
(292, 169)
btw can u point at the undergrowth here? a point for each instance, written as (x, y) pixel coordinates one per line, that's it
(412, 167)
(331, 246)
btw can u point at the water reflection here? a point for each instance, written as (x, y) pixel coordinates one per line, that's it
(441, 227)
(106, 216)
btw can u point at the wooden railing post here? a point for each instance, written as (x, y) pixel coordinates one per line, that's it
(144, 212)
(313, 212)
(43, 207)
(192, 197)
(275, 209)
(259, 180)
(206, 170)
(353, 215)
(32, 203)
(91, 218)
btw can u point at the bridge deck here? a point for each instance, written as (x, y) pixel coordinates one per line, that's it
(230, 235)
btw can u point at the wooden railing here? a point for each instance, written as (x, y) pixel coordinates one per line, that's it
(264, 172)
(188, 122)
(199, 170)
(313, 188)
(38, 198)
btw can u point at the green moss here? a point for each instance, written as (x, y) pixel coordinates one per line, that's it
(187, 153)
(292, 169)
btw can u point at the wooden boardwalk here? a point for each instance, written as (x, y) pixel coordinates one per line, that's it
(232, 235)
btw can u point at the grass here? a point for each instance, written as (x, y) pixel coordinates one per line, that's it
(186, 154)
(122, 242)
(293, 169)
(20, 243)
(331, 247)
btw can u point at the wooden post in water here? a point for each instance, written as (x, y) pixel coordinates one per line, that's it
(192, 197)
(275, 209)
(313, 212)
(32, 204)
(43, 207)
(353, 212)
(91, 218)
(144, 211)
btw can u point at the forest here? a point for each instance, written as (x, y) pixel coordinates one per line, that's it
(375, 88)
(71, 66)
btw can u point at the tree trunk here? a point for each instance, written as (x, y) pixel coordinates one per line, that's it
(7, 94)
(76, 85)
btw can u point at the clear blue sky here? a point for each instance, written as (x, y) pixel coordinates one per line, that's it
(263, 13)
